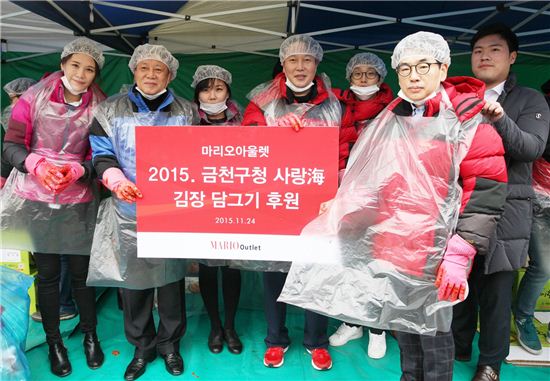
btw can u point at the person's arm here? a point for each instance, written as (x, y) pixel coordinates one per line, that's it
(103, 153)
(484, 177)
(15, 150)
(253, 116)
(524, 138)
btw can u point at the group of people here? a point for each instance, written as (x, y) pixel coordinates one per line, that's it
(476, 140)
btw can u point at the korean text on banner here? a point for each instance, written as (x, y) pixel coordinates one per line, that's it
(234, 192)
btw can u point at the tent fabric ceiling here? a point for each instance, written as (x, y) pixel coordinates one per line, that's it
(199, 26)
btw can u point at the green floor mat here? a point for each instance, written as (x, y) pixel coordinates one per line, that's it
(350, 361)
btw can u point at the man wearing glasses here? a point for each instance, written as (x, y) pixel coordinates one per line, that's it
(421, 61)
(422, 193)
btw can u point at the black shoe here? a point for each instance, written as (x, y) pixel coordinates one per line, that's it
(215, 341)
(92, 350)
(463, 357)
(135, 369)
(59, 360)
(173, 363)
(233, 342)
(486, 373)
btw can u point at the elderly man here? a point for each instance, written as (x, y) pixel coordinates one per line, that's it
(148, 102)
(521, 117)
(296, 98)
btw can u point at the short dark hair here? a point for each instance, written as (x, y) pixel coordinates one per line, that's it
(502, 30)
(205, 84)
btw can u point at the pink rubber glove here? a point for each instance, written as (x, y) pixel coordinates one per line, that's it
(290, 120)
(2, 182)
(72, 171)
(452, 275)
(49, 175)
(124, 189)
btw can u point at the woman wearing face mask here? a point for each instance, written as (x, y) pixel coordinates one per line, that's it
(213, 96)
(365, 98)
(52, 203)
(367, 94)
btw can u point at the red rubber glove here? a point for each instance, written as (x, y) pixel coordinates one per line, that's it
(452, 275)
(72, 171)
(290, 120)
(124, 189)
(48, 174)
(2, 182)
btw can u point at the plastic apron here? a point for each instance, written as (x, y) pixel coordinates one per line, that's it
(540, 231)
(32, 217)
(114, 261)
(274, 106)
(396, 207)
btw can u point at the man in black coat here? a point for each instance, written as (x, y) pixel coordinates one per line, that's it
(521, 117)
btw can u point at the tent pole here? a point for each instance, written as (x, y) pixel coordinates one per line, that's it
(352, 27)
(116, 31)
(37, 28)
(531, 17)
(14, 14)
(30, 56)
(66, 15)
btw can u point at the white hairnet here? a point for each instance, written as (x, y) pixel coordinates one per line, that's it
(211, 71)
(369, 59)
(85, 46)
(154, 52)
(422, 43)
(18, 86)
(300, 44)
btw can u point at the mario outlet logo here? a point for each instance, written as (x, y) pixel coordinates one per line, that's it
(234, 245)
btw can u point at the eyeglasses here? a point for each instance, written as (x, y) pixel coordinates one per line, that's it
(422, 68)
(368, 74)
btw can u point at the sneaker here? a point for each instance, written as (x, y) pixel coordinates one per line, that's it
(320, 358)
(36, 316)
(65, 315)
(345, 333)
(377, 345)
(527, 335)
(274, 357)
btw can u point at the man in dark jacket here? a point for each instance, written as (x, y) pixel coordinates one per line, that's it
(520, 116)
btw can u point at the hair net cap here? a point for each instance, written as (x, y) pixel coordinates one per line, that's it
(300, 44)
(211, 71)
(422, 43)
(369, 59)
(154, 52)
(85, 46)
(18, 86)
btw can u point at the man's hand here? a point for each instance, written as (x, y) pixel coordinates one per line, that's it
(493, 111)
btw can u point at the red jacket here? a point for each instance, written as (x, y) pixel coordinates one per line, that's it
(356, 115)
(254, 115)
(482, 175)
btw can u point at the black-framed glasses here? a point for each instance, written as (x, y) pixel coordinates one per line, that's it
(368, 74)
(421, 68)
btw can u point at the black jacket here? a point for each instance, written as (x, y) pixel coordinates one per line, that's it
(524, 132)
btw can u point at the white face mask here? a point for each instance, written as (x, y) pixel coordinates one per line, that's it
(402, 95)
(213, 108)
(364, 92)
(296, 89)
(71, 90)
(148, 96)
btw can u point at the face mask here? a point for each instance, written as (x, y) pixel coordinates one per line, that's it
(213, 108)
(296, 89)
(150, 97)
(364, 93)
(402, 95)
(71, 90)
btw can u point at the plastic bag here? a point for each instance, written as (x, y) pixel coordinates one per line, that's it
(14, 322)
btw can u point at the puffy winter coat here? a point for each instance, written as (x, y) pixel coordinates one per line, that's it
(524, 131)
